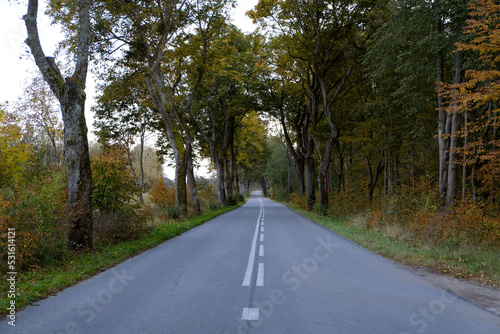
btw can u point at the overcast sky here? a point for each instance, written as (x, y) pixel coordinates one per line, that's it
(16, 64)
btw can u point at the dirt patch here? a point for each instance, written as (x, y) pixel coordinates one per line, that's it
(485, 297)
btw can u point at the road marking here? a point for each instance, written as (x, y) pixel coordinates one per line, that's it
(261, 250)
(262, 228)
(250, 313)
(260, 275)
(262, 237)
(251, 256)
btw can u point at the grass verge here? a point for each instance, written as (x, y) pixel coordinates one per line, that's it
(471, 263)
(40, 283)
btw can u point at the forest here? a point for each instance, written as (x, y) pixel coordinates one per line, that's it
(381, 112)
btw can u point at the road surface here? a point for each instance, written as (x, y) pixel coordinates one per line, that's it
(259, 269)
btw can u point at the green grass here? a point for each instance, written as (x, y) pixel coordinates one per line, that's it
(473, 263)
(37, 284)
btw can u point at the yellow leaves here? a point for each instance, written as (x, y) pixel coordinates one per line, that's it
(14, 155)
(250, 139)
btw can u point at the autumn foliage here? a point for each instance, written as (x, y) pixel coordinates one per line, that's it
(476, 99)
(118, 215)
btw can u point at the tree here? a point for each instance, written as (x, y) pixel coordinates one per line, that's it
(70, 92)
(325, 39)
(14, 154)
(223, 100)
(168, 42)
(477, 97)
(123, 113)
(39, 112)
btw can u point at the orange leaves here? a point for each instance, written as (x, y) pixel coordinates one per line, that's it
(162, 195)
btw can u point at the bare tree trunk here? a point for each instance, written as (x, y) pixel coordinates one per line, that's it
(141, 165)
(443, 140)
(372, 179)
(323, 170)
(76, 157)
(71, 95)
(265, 191)
(464, 167)
(309, 171)
(180, 181)
(455, 126)
(193, 189)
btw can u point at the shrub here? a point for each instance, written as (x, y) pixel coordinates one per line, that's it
(116, 226)
(232, 200)
(37, 211)
(118, 216)
(322, 209)
(163, 197)
(114, 186)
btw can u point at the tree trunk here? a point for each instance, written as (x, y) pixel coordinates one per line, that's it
(323, 169)
(180, 180)
(141, 165)
(291, 171)
(309, 171)
(372, 179)
(464, 167)
(300, 163)
(263, 182)
(455, 126)
(71, 95)
(76, 157)
(193, 189)
(443, 140)
(221, 193)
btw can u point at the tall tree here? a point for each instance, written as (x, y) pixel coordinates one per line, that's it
(223, 100)
(326, 40)
(40, 112)
(478, 95)
(70, 92)
(124, 115)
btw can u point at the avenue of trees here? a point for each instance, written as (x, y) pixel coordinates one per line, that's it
(327, 100)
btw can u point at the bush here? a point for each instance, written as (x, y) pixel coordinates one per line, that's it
(118, 216)
(232, 200)
(114, 186)
(113, 227)
(321, 209)
(37, 211)
(163, 197)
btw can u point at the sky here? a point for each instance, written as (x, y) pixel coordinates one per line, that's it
(16, 64)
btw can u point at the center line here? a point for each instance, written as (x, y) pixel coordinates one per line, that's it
(260, 275)
(261, 250)
(262, 237)
(251, 256)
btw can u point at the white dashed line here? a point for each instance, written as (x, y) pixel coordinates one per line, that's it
(260, 275)
(261, 250)
(251, 257)
(250, 314)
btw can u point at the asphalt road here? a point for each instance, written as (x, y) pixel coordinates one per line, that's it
(259, 269)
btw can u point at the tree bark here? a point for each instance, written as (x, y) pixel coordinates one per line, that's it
(443, 140)
(372, 179)
(71, 95)
(309, 172)
(193, 189)
(141, 165)
(455, 126)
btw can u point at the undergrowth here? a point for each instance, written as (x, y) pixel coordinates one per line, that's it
(410, 228)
